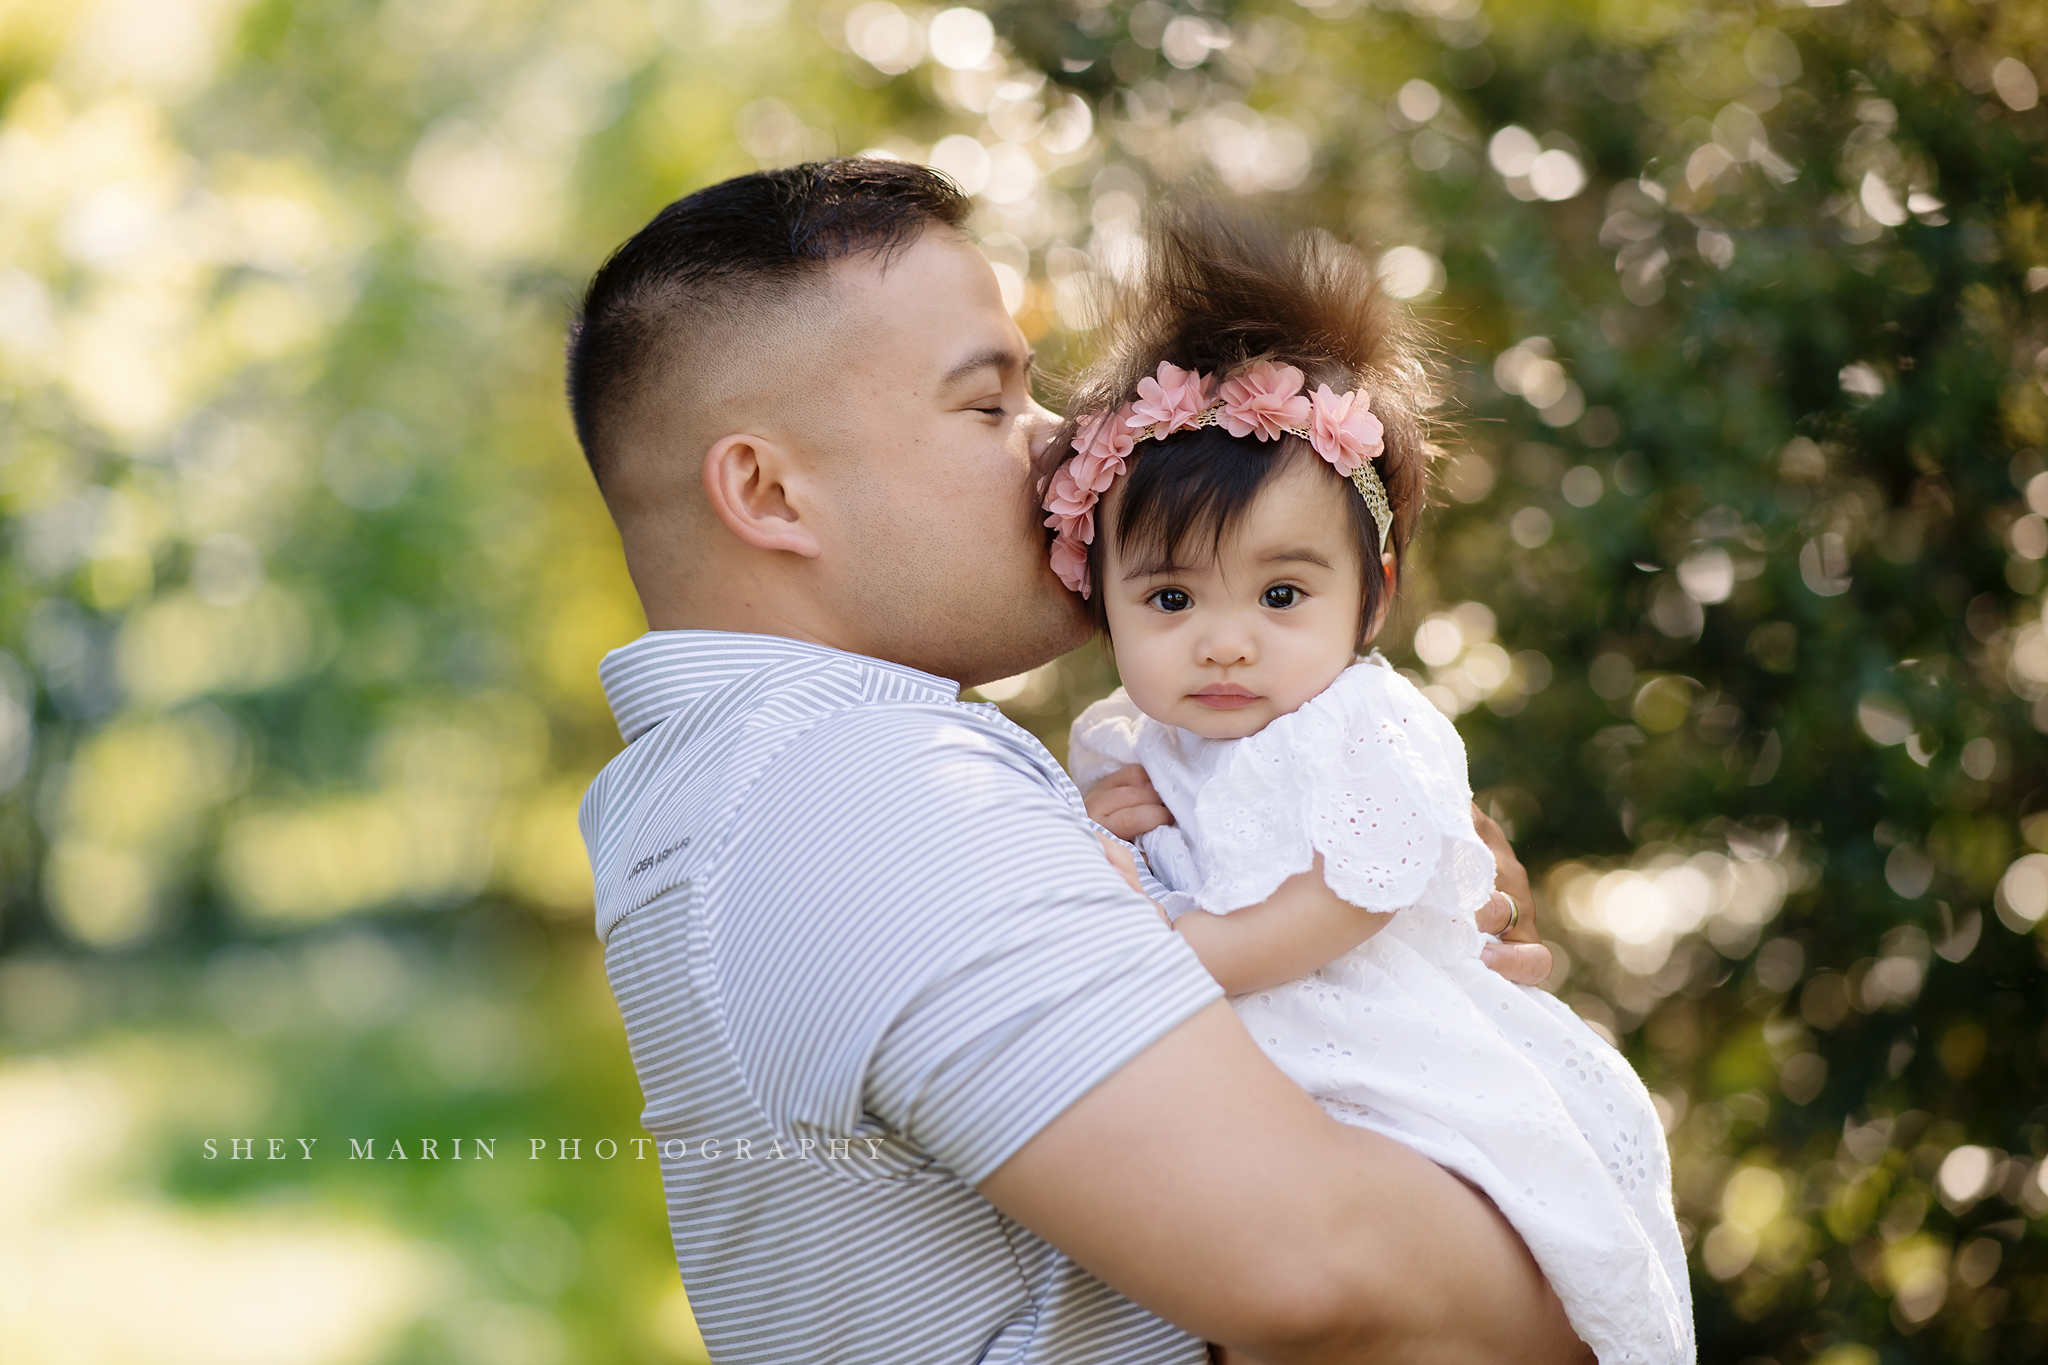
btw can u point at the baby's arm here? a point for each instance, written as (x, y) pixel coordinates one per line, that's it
(1297, 929)
(1288, 935)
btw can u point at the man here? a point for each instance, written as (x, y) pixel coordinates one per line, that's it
(931, 1081)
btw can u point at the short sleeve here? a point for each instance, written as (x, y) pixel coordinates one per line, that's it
(948, 954)
(1103, 738)
(1370, 775)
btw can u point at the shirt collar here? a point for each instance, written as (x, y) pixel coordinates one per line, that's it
(667, 671)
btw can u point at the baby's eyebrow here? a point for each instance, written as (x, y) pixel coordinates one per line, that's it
(1297, 555)
(1153, 568)
(1294, 554)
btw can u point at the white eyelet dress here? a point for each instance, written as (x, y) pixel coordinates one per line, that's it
(1411, 1034)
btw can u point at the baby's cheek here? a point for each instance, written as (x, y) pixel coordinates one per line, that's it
(1145, 676)
(1312, 670)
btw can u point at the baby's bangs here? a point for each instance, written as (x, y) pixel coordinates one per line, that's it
(1184, 496)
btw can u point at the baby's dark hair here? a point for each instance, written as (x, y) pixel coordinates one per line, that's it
(1218, 291)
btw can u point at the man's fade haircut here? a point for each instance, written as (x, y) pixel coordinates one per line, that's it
(724, 252)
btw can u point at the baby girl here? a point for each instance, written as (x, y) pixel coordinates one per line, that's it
(1239, 488)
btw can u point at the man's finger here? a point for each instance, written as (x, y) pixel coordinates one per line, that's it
(1495, 916)
(1525, 964)
(1510, 879)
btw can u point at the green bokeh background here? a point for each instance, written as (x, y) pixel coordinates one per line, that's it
(1734, 583)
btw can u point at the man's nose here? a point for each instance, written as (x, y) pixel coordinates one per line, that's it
(1043, 422)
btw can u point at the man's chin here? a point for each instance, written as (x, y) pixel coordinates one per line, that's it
(1061, 626)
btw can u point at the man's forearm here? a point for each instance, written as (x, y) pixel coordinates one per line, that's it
(1204, 1184)
(1421, 1269)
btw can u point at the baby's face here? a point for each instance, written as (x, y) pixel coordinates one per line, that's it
(1222, 646)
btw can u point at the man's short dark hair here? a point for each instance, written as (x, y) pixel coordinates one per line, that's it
(724, 252)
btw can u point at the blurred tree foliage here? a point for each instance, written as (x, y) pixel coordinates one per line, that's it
(1735, 583)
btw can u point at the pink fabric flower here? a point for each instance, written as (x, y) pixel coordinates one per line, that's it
(1345, 432)
(1097, 470)
(1172, 401)
(1095, 473)
(1107, 437)
(1080, 527)
(1068, 496)
(1264, 401)
(1102, 445)
(1070, 562)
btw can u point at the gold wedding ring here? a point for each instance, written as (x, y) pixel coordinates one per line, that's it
(1514, 916)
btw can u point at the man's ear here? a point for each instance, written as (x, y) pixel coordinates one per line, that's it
(746, 481)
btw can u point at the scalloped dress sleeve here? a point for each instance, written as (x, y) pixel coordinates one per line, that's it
(1370, 775)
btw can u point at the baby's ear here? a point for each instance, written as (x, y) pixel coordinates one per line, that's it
(1386, 607)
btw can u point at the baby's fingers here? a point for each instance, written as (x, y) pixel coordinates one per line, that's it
(1132, 777)
(1126, 804)
(1127, 812)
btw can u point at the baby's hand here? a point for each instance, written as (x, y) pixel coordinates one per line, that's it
(1125, 804)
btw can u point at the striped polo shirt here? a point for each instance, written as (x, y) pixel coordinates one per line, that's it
(865, 946)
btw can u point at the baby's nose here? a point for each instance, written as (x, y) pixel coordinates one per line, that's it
(1228, 645)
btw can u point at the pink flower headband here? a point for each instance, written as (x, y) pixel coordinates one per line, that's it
(1264, 400)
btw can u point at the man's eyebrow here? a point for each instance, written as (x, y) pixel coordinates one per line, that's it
(989, 358)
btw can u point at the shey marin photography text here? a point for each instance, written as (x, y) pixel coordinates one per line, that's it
(539, 1149)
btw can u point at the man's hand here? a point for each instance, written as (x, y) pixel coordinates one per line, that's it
(1125, 804)
(1519, 955)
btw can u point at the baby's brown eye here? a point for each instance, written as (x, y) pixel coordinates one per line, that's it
(1282, 597)
(1172, 599)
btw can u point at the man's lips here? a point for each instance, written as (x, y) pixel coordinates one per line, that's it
(1224, 696)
